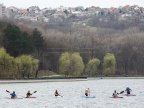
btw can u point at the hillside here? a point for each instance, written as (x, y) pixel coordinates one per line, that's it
(93, 32)
(118, 18)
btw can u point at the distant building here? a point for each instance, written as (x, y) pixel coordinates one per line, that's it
(3, 12)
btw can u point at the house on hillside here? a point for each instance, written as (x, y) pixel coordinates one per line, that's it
(3, 12)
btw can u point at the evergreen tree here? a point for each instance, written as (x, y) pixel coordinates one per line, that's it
(38, 42)
(17, 42)
(12, 37)
(26, 44)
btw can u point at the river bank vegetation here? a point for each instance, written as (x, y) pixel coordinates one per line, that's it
(69, 50)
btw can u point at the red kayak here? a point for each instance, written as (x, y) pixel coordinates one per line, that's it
(30, 97)
(130, 95)
(116, 97)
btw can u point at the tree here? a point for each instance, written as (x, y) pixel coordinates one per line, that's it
(91, 68)
(64, 63)
(12, 35)
(17, 42)
(76, 64)
(71, 64)
(38, 42)
(26, 43)
(6, 62)
(26, 65)
(109, 64)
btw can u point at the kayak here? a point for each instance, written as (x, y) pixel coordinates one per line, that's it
(130, 95)
(30, 97)
(58, 96)
(13, 98)
(88, 96)
(17, 98)
(116, 97)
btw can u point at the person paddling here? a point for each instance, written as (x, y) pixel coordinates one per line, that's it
(13, 95)
(28, 94)
(87, 92)
(56, 93)
(128, 90)
(115, 94)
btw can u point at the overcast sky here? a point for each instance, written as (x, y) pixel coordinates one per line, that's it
(70, 3)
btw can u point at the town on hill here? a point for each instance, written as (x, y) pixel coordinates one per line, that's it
(91, 16)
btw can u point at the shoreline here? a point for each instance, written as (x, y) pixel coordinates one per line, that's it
(39, 80)
(91, 78)
(5, 81)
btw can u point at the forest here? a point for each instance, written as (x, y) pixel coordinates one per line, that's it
(70, 49)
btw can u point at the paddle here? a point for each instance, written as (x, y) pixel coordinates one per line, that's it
(121, 92)
(7, 91)
(34, 92)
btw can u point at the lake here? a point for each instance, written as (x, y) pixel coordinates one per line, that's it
(73, 93)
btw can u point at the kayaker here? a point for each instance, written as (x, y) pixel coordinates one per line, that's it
(28, 94)
(56, 93)
(13, 95)
(128, 90)
(115, 94)
(87, 92)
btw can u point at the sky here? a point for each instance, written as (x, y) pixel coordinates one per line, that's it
(70, 3)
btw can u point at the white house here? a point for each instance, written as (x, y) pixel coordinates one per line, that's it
(2, 11)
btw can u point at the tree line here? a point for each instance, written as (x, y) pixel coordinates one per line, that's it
(58, 48)
(94, 42)
(70, 64)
